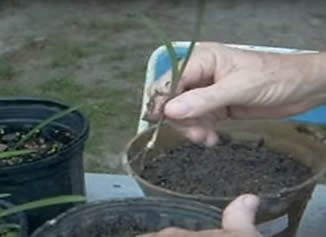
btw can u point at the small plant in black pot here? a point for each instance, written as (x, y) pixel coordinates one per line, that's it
(41, 153)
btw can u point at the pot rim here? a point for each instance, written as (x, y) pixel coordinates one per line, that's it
(309, 183)
(192, 205)
(53, 158)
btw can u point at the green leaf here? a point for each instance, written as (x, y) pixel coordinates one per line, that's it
(42, 203)
(9, 230)
(176, 74)
(162, 35)
(8, 154)
(45, 123)
(196, 34)
(9, 226)
(4, 195)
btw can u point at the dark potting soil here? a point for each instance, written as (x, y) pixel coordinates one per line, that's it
(228, 169)
(43, 143)
(125, 225)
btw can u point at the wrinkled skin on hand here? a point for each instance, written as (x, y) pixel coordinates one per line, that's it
(238, 221)
(221, 83)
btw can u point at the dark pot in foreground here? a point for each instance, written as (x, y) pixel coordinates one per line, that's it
(134, 216)
(61, 173)
(278, 135)
(18, 219)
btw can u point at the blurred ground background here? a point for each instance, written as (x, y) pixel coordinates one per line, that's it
(95, 52)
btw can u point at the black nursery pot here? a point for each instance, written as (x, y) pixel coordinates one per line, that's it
(17, 218)
(130, 217)
(61, 173)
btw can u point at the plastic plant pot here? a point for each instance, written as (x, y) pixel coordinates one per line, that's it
(113, 218)
(278, 135)
(60, 173)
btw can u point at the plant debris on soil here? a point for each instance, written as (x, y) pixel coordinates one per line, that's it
(230, 168)
(44, 143)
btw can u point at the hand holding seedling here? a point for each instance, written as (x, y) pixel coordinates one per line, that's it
(238, 221)
(221, 83)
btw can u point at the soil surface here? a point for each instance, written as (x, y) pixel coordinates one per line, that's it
(125, 226)
(44, 143)
(121, 226)
(228, 169)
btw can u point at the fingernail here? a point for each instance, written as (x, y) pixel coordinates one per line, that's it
(177, 109)
(251, 202)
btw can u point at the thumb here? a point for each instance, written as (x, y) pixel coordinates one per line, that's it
(240, 214)
(197, 102)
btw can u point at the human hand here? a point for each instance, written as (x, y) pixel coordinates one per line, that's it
(221, 83)
(238, 221)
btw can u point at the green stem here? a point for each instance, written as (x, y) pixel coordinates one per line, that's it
(162, 35)
(43, 124)
(9, 154)
(9, 226)
(41, 203)
(4, 195)
(196, 34)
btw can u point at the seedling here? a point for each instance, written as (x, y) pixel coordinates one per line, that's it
(42, 203)
(17, 150)
(176, 72)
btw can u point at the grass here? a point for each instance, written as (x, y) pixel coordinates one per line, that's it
(321, 17)
(64, 84)
(108, 109)
(68, 55)
(7, 70)
(51, 67)
(112, 27)
(119, 54)
(11, 90)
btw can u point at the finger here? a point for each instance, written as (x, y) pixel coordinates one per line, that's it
(174, 232)
(240, 214)
(262, 112)
(147, 235)
(198, 102)
(226, 233)
(195, 133)
(201, 130)
(212, 233)
(199, 72)
(198, 134)
(211, 138)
